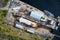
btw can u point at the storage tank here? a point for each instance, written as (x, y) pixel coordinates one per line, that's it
(28, 22)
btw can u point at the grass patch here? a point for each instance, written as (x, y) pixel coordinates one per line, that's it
(4, 2)
(2, 14)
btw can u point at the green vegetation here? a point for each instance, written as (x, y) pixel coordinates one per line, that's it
(4, 2)
(8, 32)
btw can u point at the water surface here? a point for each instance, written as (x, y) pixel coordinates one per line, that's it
(50, 5)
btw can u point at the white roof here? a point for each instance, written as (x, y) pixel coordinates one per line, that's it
(19, 26)
(25, 21)
(31, 30)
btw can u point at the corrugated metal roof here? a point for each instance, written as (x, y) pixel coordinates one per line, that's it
(36, 14)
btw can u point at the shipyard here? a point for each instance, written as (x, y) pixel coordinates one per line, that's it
(32, 20)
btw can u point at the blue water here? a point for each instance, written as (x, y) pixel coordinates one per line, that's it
(51, 5)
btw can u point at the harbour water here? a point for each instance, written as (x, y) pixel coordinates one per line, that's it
(52, 6)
